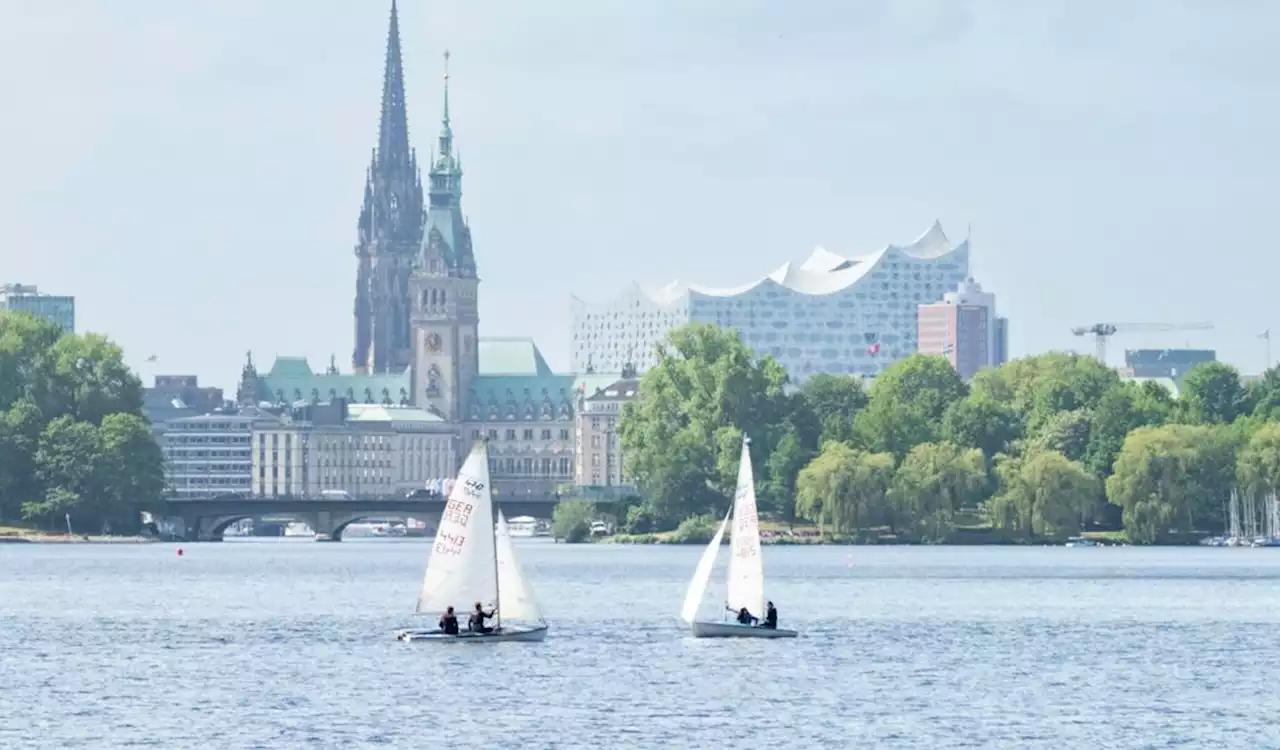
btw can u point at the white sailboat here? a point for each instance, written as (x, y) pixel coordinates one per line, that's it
(746, 568)
(473, 560)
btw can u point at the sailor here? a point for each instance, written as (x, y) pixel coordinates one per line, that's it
(476, 623)
(744, 617)
(770, 617)
(449, 622)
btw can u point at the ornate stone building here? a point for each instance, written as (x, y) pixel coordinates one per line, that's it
(417, 317)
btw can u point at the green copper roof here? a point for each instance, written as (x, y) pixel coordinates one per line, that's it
(291, 379)
(515, 384)
(502, 356)
(389, 414)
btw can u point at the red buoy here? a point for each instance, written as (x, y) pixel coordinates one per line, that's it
(179, 552)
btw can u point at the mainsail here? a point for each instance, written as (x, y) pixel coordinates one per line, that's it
(701, 575)
(461, 569)
(515, 597)
(746, 568)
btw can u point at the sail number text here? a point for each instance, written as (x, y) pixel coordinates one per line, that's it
(457, 512)
(449, 544)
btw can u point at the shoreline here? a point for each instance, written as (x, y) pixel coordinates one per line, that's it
(64, 539)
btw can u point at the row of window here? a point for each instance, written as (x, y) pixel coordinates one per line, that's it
(525, 434)
(531, 467)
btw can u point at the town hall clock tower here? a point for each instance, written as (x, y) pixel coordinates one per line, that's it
(444, 286)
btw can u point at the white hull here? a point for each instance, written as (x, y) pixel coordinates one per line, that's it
(504, 634)
(734, 630)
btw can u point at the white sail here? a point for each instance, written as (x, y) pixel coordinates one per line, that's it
(701, 575)
(746, 569)
(515, 598)
(461, 570)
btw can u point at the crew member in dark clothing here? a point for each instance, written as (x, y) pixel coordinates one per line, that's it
(744, 617)
(476, 624)
(770, 617)
(449, 622)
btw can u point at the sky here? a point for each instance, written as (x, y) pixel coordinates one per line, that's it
(192, 172)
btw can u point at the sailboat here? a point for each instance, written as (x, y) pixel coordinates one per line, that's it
(474, 560)
(746, 568)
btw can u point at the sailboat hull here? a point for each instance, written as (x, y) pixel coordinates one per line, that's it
(734, 630)
(505, 634)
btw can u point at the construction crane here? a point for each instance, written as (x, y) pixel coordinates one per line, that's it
(1101, 332)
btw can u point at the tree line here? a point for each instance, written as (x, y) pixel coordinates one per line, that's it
(1036, 449)
(72, 436)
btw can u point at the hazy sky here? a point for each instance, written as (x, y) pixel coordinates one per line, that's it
(192, 171)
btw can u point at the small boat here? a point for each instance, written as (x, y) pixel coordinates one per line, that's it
(1079, 541)
(473, 559)
(746, 568)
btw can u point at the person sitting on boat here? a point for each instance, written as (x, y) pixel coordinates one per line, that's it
(476, 624)
(770, 617)
(449, 622)
(745, 617)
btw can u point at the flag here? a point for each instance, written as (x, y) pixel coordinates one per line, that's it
(874, 348)
(152, 358)
(1265, 334)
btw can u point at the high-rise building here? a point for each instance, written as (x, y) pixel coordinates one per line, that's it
(965, 329)
(829, 314)
(57, 309)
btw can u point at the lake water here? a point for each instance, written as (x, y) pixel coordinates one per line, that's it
(283, 644)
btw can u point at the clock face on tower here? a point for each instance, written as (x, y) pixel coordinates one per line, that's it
(433, 342)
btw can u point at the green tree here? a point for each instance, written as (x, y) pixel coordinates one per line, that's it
(1065, 432)
(834, 401)
(1035, 387)
(1211, 394)
(682, 434)
(1258, 468)
(778, 491)
(978, 422)
(131, 476)
(844, 488)
(1120, 411)
(20, 429)
(1173, 479)
(932, 483)
(68, 463)
(1043, 494)
(908, 403)
(571, 520)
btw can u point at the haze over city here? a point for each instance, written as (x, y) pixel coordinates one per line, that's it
(192, 173)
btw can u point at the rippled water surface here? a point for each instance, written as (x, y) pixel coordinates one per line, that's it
(281, 644)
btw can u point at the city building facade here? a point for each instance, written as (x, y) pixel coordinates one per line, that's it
(1164, 363)
(829, 314)
(24, 298)
(173, 396)
(210, 454)
(418, 348)
(355, 450)
(964, 328)
(598, 459)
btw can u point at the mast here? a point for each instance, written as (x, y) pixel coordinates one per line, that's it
(497, 579)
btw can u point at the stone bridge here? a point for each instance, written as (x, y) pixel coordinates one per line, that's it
(205, 519)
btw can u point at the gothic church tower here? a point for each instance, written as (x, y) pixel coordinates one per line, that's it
(390, 231)
(444, 289)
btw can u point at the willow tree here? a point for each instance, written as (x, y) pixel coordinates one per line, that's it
(845, 488)
(1042, 494)
(932, 483)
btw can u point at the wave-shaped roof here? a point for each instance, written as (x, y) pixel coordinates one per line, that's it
(823, 272)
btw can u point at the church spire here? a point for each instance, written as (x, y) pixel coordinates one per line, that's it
(390, 227)
(446, 132)
(393, 128)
